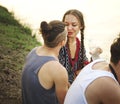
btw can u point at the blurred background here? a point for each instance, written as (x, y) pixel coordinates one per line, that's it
(102, 17)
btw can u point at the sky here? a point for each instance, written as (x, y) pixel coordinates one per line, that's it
(102, 17)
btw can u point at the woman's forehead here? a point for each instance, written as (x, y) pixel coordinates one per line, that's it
(71, 18)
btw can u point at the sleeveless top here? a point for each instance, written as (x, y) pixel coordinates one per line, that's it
(32, 91)
(76, 92)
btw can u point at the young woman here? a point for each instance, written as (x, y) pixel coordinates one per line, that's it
(73, 55)
(44, 79)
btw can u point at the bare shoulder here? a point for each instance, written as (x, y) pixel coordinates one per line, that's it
(53, 71)
(107, 84)
(105, 90)
(58, 74)
(56, 68)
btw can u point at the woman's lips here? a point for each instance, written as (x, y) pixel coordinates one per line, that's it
(70, 33)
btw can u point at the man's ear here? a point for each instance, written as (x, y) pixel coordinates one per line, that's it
(118, 65)
(119, 62)
(62, 43)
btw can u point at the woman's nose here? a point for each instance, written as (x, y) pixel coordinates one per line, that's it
(69, 27)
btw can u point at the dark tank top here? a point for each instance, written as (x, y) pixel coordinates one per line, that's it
(32, 91)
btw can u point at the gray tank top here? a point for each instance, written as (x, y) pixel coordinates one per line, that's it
(32, 91)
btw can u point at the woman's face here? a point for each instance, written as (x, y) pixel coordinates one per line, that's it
(73, 25)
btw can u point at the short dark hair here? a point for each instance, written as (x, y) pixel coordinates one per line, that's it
(115, 50)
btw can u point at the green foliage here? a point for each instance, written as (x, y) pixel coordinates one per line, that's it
(7, 17)
(15, 41)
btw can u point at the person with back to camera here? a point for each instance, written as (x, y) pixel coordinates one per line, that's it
(98, 82)
(73, 55)
(44, 79)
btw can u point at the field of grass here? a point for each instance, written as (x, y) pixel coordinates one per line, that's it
(15, 42)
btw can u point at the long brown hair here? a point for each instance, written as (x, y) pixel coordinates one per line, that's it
(80, 18)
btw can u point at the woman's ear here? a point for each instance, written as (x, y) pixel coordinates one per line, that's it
(81, 27)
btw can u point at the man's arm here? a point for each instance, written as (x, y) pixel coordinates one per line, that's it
(111, 92)
(103, 90)
(60, 78)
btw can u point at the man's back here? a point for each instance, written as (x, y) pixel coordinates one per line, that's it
(91, 86)
(33, 92)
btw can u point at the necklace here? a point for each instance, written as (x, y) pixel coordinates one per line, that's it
(113, 71)
(73, 61)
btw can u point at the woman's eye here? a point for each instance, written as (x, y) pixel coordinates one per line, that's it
(74, 25)
(66, 24)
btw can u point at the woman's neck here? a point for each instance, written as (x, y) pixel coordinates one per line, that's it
(72, 41)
